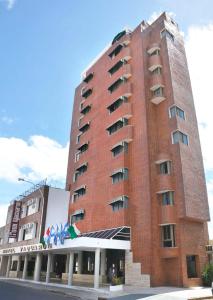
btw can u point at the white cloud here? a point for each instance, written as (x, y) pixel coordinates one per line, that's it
(3, 210)
(38, 158)
(10, 4)
(199, 46)
(156, 14)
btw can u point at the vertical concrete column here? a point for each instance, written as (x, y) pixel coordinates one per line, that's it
(8, 265)
(70, 275)
(97, 268)
(24, 274)
(67, 263)
(80, 258)
(103, 262)
(3, 266)
(37, 270)
(19, 263)
(49, 262)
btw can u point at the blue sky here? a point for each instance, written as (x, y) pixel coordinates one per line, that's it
(45, 46)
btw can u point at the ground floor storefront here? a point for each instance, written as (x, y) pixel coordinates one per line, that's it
(90, 268)
(85, 261)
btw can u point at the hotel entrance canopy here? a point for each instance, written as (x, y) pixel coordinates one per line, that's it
(115, 238)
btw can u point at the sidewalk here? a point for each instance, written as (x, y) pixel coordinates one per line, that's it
(183, 295)
(129, 292)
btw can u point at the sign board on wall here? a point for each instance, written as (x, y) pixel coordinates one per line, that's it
(15, 219)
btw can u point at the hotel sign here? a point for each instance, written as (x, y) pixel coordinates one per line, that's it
(15, 219)
(25, 249)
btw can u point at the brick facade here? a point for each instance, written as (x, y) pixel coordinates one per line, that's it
(149, 137)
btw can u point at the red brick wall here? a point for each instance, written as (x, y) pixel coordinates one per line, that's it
(150, 129)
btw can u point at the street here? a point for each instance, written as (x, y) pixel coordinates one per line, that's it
(10, 291)
(19, 291)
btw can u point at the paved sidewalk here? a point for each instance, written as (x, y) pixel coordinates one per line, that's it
(184, 294)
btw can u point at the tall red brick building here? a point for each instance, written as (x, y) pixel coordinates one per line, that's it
(135, 159)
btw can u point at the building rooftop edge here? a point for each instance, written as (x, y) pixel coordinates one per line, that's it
(99, 55)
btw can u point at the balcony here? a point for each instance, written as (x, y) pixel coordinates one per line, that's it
(157, 94)
(154, 62)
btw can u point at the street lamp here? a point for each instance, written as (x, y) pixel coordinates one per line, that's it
(42, 195)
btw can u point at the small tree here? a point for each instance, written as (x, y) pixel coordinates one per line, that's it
(207, 275)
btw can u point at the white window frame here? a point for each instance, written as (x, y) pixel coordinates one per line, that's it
(179, 141)
(174, 105)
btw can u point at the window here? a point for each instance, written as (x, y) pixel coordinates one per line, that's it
(191, 266)
(120, 175)
(116, 84)
(117, 125)
(117, 103)
(117, 66)
(83, 148)
(156, 52)
(168, 235)
(158, 92)
(86, 109)
(176, 111)
(122, 147)
(79, 171)
(157, 71)
(85, 127)
(116, 51)
(85, 93)
(88, 77)
(168, 198)
(79, 121)
(178, 136)
(28, 231)
(79, 193)
(81, 105)
(119, 203)
(166, 33)
(78, 138)
(77, 216)
(30, 207)
(165, 167)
